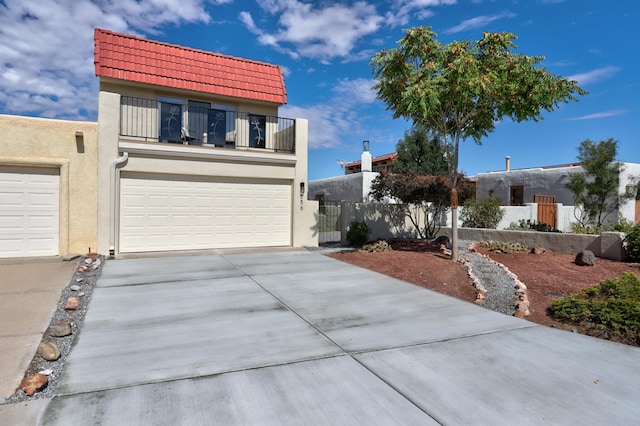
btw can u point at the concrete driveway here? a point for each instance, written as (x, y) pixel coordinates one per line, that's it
(295, 337)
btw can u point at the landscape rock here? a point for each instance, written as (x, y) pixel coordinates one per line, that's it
(72, 304)
(48, 351)
(585, 258)
(74, 287)
(60, 329)
(33, 384)
(538, 250)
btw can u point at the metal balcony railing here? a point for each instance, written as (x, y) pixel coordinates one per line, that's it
(166, 122)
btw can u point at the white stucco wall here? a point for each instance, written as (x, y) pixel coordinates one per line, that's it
(351, 187)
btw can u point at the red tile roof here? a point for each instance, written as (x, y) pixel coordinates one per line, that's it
(391, 157)
(130, 58)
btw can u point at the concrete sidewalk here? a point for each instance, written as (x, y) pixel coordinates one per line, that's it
(29, 294)
(299, 338)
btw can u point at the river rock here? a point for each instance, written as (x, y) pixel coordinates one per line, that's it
(33, 384)
(48, 351)
(72, 304)
(60, 329)
(585, 258)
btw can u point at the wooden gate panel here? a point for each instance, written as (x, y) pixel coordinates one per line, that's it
(546, 209)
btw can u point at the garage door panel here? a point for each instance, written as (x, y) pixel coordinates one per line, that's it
(29, 212)
(201, 213)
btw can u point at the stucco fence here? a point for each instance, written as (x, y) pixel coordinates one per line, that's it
(387, 221)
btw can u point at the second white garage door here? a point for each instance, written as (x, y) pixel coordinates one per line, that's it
(160, 213)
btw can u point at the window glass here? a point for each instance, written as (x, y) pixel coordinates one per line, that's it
(257, 130)
(170, 120)
(197, 114)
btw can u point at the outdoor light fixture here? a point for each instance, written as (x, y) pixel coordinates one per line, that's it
(79, 133)
(302, 189)
(365, 146)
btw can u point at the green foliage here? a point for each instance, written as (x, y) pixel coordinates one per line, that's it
(623, 225)
(503, 246)
(421, 196)
(529, 225)
(358, 233)
(631, 244)
(420, 152)
(595, 190)
(609, 310)
(578, 228)
(377, 247)
(485, 213)
(462, 89)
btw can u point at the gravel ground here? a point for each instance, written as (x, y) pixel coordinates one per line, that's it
(500, 294)
(86, 281)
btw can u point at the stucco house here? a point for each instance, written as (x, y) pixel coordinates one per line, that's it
(188, 153)
(546, 186)
(355, 184)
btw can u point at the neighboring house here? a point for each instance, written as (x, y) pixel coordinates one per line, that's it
(381, 163)
(546, 185)
(192, 153)
(355, 184)
(48, 186)
(188, 153)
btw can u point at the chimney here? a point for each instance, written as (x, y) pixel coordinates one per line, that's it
(507, 163)
(365, 160)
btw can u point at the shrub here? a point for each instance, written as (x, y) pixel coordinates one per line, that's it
(623, 225)
(485, 213)
(608, 310)
(528, 225)
(377, 247)
(358, 233)
(503, 246)
(631, 244)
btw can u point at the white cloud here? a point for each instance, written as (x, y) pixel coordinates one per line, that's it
(478, 22)
(340, 115)
(604, 114)
(46, 54)
(321, 33)
(403, 10)
(594, 76)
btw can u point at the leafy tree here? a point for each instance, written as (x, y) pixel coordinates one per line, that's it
(421, 151)
(461, 89)
(595, 190)
(422, 196)
(485, 213)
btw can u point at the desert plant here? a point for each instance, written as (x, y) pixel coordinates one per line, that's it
(485, 213)
(631, 244)
(377, 247)
(532, 225)
(609, 310)
(358, 233)
(503, 246)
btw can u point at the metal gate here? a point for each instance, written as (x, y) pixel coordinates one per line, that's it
(546, 209)
(329, 222)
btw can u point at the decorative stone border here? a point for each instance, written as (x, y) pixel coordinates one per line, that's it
(521, 302)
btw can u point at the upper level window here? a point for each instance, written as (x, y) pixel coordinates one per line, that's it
(170, 120)
(257, 130)
(197, 119)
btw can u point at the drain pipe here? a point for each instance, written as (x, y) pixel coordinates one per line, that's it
(112, 202)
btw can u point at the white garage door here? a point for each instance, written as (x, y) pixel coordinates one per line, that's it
(29, 212)
(159, 213)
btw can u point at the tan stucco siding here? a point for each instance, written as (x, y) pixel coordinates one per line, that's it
(39, 142)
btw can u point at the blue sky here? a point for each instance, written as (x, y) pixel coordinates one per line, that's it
(46, 64)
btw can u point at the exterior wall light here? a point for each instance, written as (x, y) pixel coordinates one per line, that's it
(79, 133)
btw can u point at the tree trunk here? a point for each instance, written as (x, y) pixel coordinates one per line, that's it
(454, 234)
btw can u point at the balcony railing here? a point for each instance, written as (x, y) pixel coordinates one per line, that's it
(166, 122)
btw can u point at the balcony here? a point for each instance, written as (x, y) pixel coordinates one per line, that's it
(152, 120)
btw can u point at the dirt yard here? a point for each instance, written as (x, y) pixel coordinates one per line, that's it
(548, 276)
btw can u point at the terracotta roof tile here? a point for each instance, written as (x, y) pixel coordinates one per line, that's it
(140, 60)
